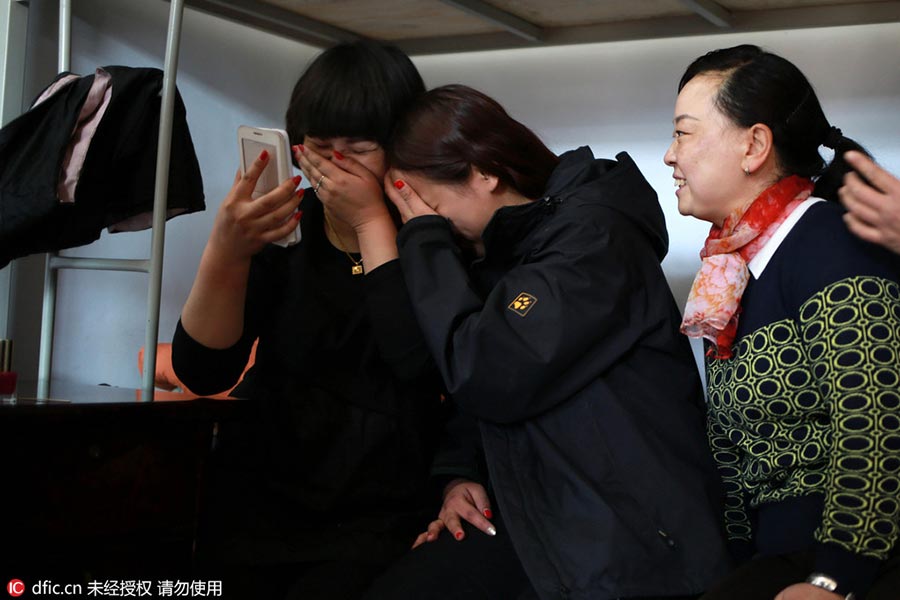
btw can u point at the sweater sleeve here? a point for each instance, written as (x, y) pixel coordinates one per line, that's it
(848, 313)
(727, 455)
(851, 330)
(543, 331)
(396, 330)
(205, 370)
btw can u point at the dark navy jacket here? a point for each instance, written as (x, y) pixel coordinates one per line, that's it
(563, 341)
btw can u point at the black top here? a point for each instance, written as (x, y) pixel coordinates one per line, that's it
(348, 405)
(563, 341)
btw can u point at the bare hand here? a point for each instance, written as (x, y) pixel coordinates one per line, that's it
(243, 226)
(873, 210)
(405, 198)
(806, 591)
(350, 191)
(463, 499)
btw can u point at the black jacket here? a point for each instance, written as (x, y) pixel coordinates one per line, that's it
(563, 341)
(117, 181)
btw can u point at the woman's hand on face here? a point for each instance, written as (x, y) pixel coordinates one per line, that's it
(806, 591)
(350, 190)
(463, 499)
(243, 226)
(405, 198)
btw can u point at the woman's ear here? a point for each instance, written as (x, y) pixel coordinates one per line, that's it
(483, 181)
(760, 148)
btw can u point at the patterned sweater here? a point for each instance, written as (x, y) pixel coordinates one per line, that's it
(805, 417)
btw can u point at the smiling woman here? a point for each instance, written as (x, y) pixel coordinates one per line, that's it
(802, 322)
(705, 140)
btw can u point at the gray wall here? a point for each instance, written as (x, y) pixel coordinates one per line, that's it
(612, 96)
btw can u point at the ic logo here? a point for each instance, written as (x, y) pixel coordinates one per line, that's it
(522, 304)
(15, 587)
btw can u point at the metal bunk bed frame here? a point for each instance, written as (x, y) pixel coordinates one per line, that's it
(153, 265)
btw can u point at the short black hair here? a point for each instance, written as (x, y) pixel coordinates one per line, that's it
(355, 89)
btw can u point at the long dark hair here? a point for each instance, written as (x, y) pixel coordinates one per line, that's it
(453, 128)
(761, 87)
(356, 89)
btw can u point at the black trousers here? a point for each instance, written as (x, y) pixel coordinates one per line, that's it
(478, 567)
(323, 580)
(763, 577)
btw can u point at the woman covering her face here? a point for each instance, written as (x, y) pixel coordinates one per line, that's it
(329, 480)
(538, 286)
(802, 322)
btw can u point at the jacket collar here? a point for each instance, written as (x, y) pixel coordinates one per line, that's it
(508, 229)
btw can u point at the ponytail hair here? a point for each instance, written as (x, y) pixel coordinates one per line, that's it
(832, 177)
(761, 87)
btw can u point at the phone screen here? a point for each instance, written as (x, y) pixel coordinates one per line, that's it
(268, 180)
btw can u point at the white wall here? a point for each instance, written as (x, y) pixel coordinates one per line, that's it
(612, 96)
(13, 28)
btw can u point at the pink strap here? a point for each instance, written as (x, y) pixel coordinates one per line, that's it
(88, 120)
(55, 87)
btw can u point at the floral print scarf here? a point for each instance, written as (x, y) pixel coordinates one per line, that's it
(714, 303)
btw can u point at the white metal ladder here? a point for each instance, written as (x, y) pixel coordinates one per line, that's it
(153, 265)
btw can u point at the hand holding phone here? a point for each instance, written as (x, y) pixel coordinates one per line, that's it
(252, 141)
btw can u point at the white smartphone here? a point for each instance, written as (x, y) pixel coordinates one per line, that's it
(252, 141)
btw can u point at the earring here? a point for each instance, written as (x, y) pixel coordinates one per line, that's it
(746, 170)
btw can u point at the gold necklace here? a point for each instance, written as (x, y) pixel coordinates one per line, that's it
(357, 268)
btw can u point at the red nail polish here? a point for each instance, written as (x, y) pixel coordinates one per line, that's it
(399, 184)
(264, 155)
(459, 535)
(300, 192)
(297, 179)
(300, 146)
(488, 514)
(337, 155)
(297, 215)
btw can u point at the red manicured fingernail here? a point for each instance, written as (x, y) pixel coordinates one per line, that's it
(399, 184)
(300, 193)
(297, 215)
(297, 179)
(264, 155)
(301, 148)
(459, 535)
(488, 514)
(337, 155)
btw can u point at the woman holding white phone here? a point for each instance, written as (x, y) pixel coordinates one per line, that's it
(329, 482)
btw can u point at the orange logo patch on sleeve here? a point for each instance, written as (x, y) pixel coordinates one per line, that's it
(522, 304)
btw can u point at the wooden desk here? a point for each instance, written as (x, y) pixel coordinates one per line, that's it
(99, 484)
